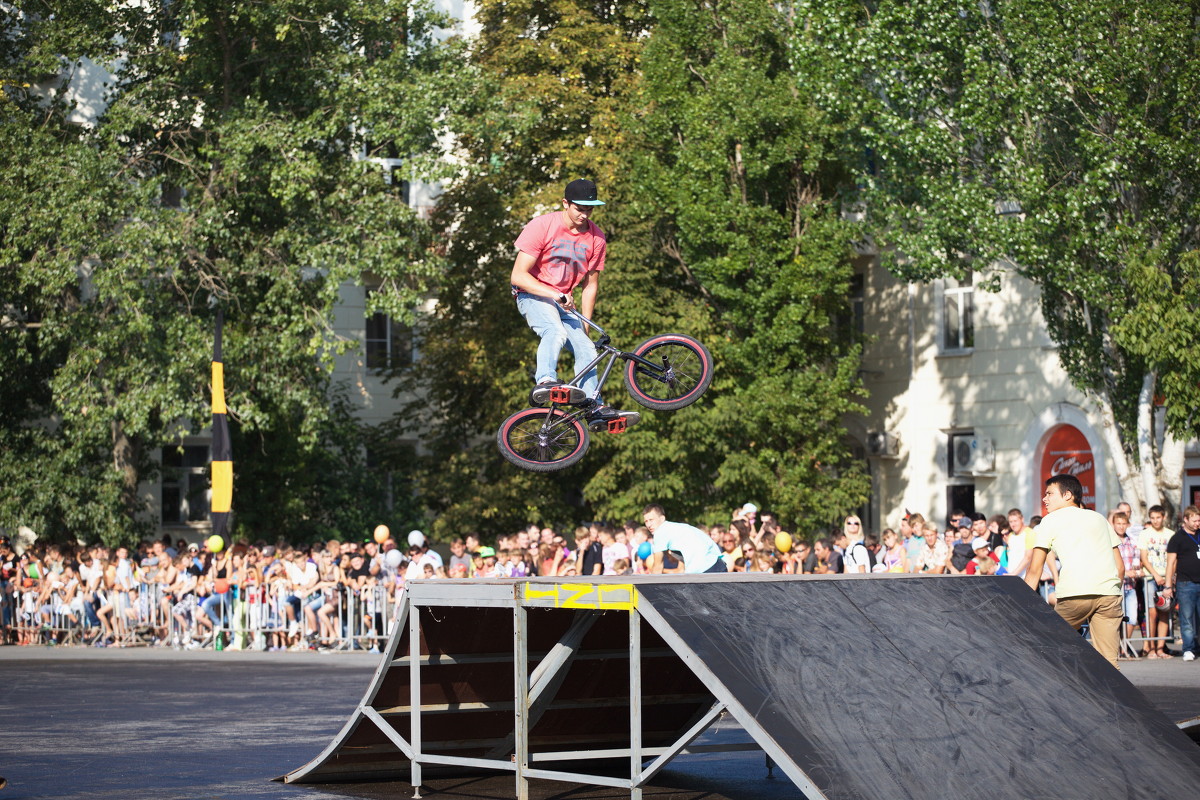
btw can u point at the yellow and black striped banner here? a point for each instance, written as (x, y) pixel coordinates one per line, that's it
(222, 453)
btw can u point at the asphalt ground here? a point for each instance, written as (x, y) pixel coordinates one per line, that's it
(154, 724)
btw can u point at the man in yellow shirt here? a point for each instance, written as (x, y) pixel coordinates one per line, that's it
(1089, 581)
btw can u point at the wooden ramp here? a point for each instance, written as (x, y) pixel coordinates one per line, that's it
(856, 686)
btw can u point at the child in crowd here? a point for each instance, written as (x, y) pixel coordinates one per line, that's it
(984, 561)
(611, 551)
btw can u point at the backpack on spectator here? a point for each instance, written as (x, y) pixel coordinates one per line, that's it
(870, 556)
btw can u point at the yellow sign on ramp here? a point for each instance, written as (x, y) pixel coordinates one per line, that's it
(597, 596)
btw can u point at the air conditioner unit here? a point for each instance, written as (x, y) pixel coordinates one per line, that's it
(972, 455)
(882, 444)
(984, 458)
(962, 454)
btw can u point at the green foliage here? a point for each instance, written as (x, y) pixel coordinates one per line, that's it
(738, 172)
(290, 491)
(653, 101)
(1078, 115)
(556, 75)
(1163, 330)
(227, 166)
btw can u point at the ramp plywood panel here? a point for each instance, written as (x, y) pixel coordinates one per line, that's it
(911, 687)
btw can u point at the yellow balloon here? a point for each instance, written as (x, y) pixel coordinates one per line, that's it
(783, 542)
(382, 533)
(215, 543)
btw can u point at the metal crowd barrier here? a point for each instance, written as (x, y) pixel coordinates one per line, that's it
(257, 619)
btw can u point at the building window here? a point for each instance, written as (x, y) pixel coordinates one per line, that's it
(858, 296)
(395, 170)
(391, 460)
(389, 344)
(398, 183)
(186, 491)
(958, 314)
(960, 498)
(379, 461)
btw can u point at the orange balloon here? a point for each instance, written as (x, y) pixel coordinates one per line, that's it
(382, 534)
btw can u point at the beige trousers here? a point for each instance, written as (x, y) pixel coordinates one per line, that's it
(1102, 613)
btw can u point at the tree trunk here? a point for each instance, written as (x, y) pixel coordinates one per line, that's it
(1145, 441)
(1170, 480)
(1130, 480)
(126, 457)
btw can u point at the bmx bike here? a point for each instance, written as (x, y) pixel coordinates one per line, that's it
(663, 373)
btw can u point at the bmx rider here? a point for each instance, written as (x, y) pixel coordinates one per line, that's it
(559, 252)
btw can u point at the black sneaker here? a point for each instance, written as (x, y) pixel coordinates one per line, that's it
(556, 392)
(598, 412)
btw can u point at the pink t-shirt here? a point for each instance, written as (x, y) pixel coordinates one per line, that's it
(609, 555)
(563, 257)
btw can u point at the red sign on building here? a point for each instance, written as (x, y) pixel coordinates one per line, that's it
(1067, 452)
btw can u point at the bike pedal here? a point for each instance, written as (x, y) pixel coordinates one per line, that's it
(560, 395)
(619, 425)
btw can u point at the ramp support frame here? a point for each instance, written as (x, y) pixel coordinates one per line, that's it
(534, 692)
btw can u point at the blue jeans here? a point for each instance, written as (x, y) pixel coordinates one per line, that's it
(89, 613)
(557, 328)
(214, 608)
(1187, 594)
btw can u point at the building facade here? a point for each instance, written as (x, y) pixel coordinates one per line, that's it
(969, 407)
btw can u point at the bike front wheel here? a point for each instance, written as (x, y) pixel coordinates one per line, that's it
(543, 440)
(681, 370)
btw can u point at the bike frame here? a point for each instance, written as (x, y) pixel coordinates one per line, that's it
(605, 351)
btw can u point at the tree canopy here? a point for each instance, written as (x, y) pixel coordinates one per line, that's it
(1056, 140)
(723, 223)
(230, 161)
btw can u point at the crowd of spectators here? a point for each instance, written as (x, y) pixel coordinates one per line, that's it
(191, 595)
(339, 595)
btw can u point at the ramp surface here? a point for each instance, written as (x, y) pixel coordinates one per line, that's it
(857, 686)
(912, 687)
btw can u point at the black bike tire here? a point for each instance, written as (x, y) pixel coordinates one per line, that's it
(645, 350)
(514, 454)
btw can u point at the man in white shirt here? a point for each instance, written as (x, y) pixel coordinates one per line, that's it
(124, 569)
(302, 577)
(692, 546)
(90, 575)
(1089, 580)
(419, 555)
(1152, 551)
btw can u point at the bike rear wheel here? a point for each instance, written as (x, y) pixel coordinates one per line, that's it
(543, 441)
(686, 372)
